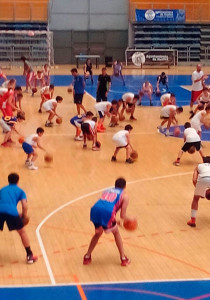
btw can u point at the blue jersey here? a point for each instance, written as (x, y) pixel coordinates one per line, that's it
(77, 120)
(78, 84)
(104, 210)
(11, 121)
(10, 195)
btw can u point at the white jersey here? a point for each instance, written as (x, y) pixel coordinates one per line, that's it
(128, 96)
(3, 91)
(166, 110)
(91, 123)
(120, 138)
(204, 98)
(191, 135)
(29, 139)
(5, 84)
(45, 90)
(197, 117)
(48, 105)
(197, 86)
(102, 106)
(203, 170)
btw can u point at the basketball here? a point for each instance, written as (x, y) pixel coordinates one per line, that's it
(206, 121)
(98, 144)
(114, 119)
(134, 155)
(130, 224)
(25, 220)
(48, 158)
(177, 131)
(208, 194)
(59, 120)
(70, 89)
(21, 139)
(121, 118)
(34, 90)
(191, 150)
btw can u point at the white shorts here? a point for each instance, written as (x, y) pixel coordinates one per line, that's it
(46, 106)
(119, 142)
(196, 126)
(4, 126)
(201, 186)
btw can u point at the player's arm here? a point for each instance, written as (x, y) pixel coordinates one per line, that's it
(195, 176)
(172, 115)
(158, 82)
(10, 102)
(37, 140)
(24, 207)
(84, 68)
(125, 201)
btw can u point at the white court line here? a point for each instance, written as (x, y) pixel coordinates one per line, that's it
(106, 133)
(49, 269)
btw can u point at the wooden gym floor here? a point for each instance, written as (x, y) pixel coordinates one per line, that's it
(60, 196)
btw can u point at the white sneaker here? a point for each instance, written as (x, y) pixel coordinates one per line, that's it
(27, 162)
(168, 133)
(78, 138)
(32, 167)
(159, 129)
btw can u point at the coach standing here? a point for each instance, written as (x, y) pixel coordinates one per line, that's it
(104, 84)
(198, 78)
(79, 90)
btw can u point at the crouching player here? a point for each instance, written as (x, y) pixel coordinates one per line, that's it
(89, 130)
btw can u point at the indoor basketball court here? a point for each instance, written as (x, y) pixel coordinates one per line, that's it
(169, 260)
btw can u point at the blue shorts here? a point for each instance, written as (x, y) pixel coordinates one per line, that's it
(28, 149)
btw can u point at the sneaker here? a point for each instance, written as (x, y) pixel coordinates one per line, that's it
(133, 118)
(84, 146)
(125, 261)
(129, 161)
(102, 127)
(113, 158)
(111, 125)
(159, 128)
(176, 163)
(27, 162)
(5, 144)
(31, 259)
(87, 260)
(100, 130)
(50, 124)
(78, 138)
(168, 133)
(32, 167)
(151, 104)
(95, 148)
(191, 223)
(139, 104)
(40, 111)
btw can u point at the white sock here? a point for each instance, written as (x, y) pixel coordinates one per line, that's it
(193, 213)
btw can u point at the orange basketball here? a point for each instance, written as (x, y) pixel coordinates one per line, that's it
(34, 90)
(59, 120)
(70, 89)
(208, 194)
(130, 224)
(48, 158)
(134, 155)
(177, 131)
(191, 150)
(114, 119)
(21, 139)
(121, 118)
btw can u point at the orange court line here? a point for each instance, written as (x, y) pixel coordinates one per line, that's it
(79, 287)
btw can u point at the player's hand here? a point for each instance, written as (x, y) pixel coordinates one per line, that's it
(205, 77)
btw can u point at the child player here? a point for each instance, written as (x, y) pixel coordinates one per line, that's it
(89, 130)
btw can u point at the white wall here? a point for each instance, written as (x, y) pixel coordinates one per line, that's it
(88, 15)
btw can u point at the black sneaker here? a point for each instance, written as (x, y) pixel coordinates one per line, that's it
(84, 146)
(40, 111)
(48, 124)
(129, 161)
(113, 158)
(151, 104)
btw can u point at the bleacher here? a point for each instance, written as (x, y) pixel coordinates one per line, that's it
(24, 32)
(186, 38)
